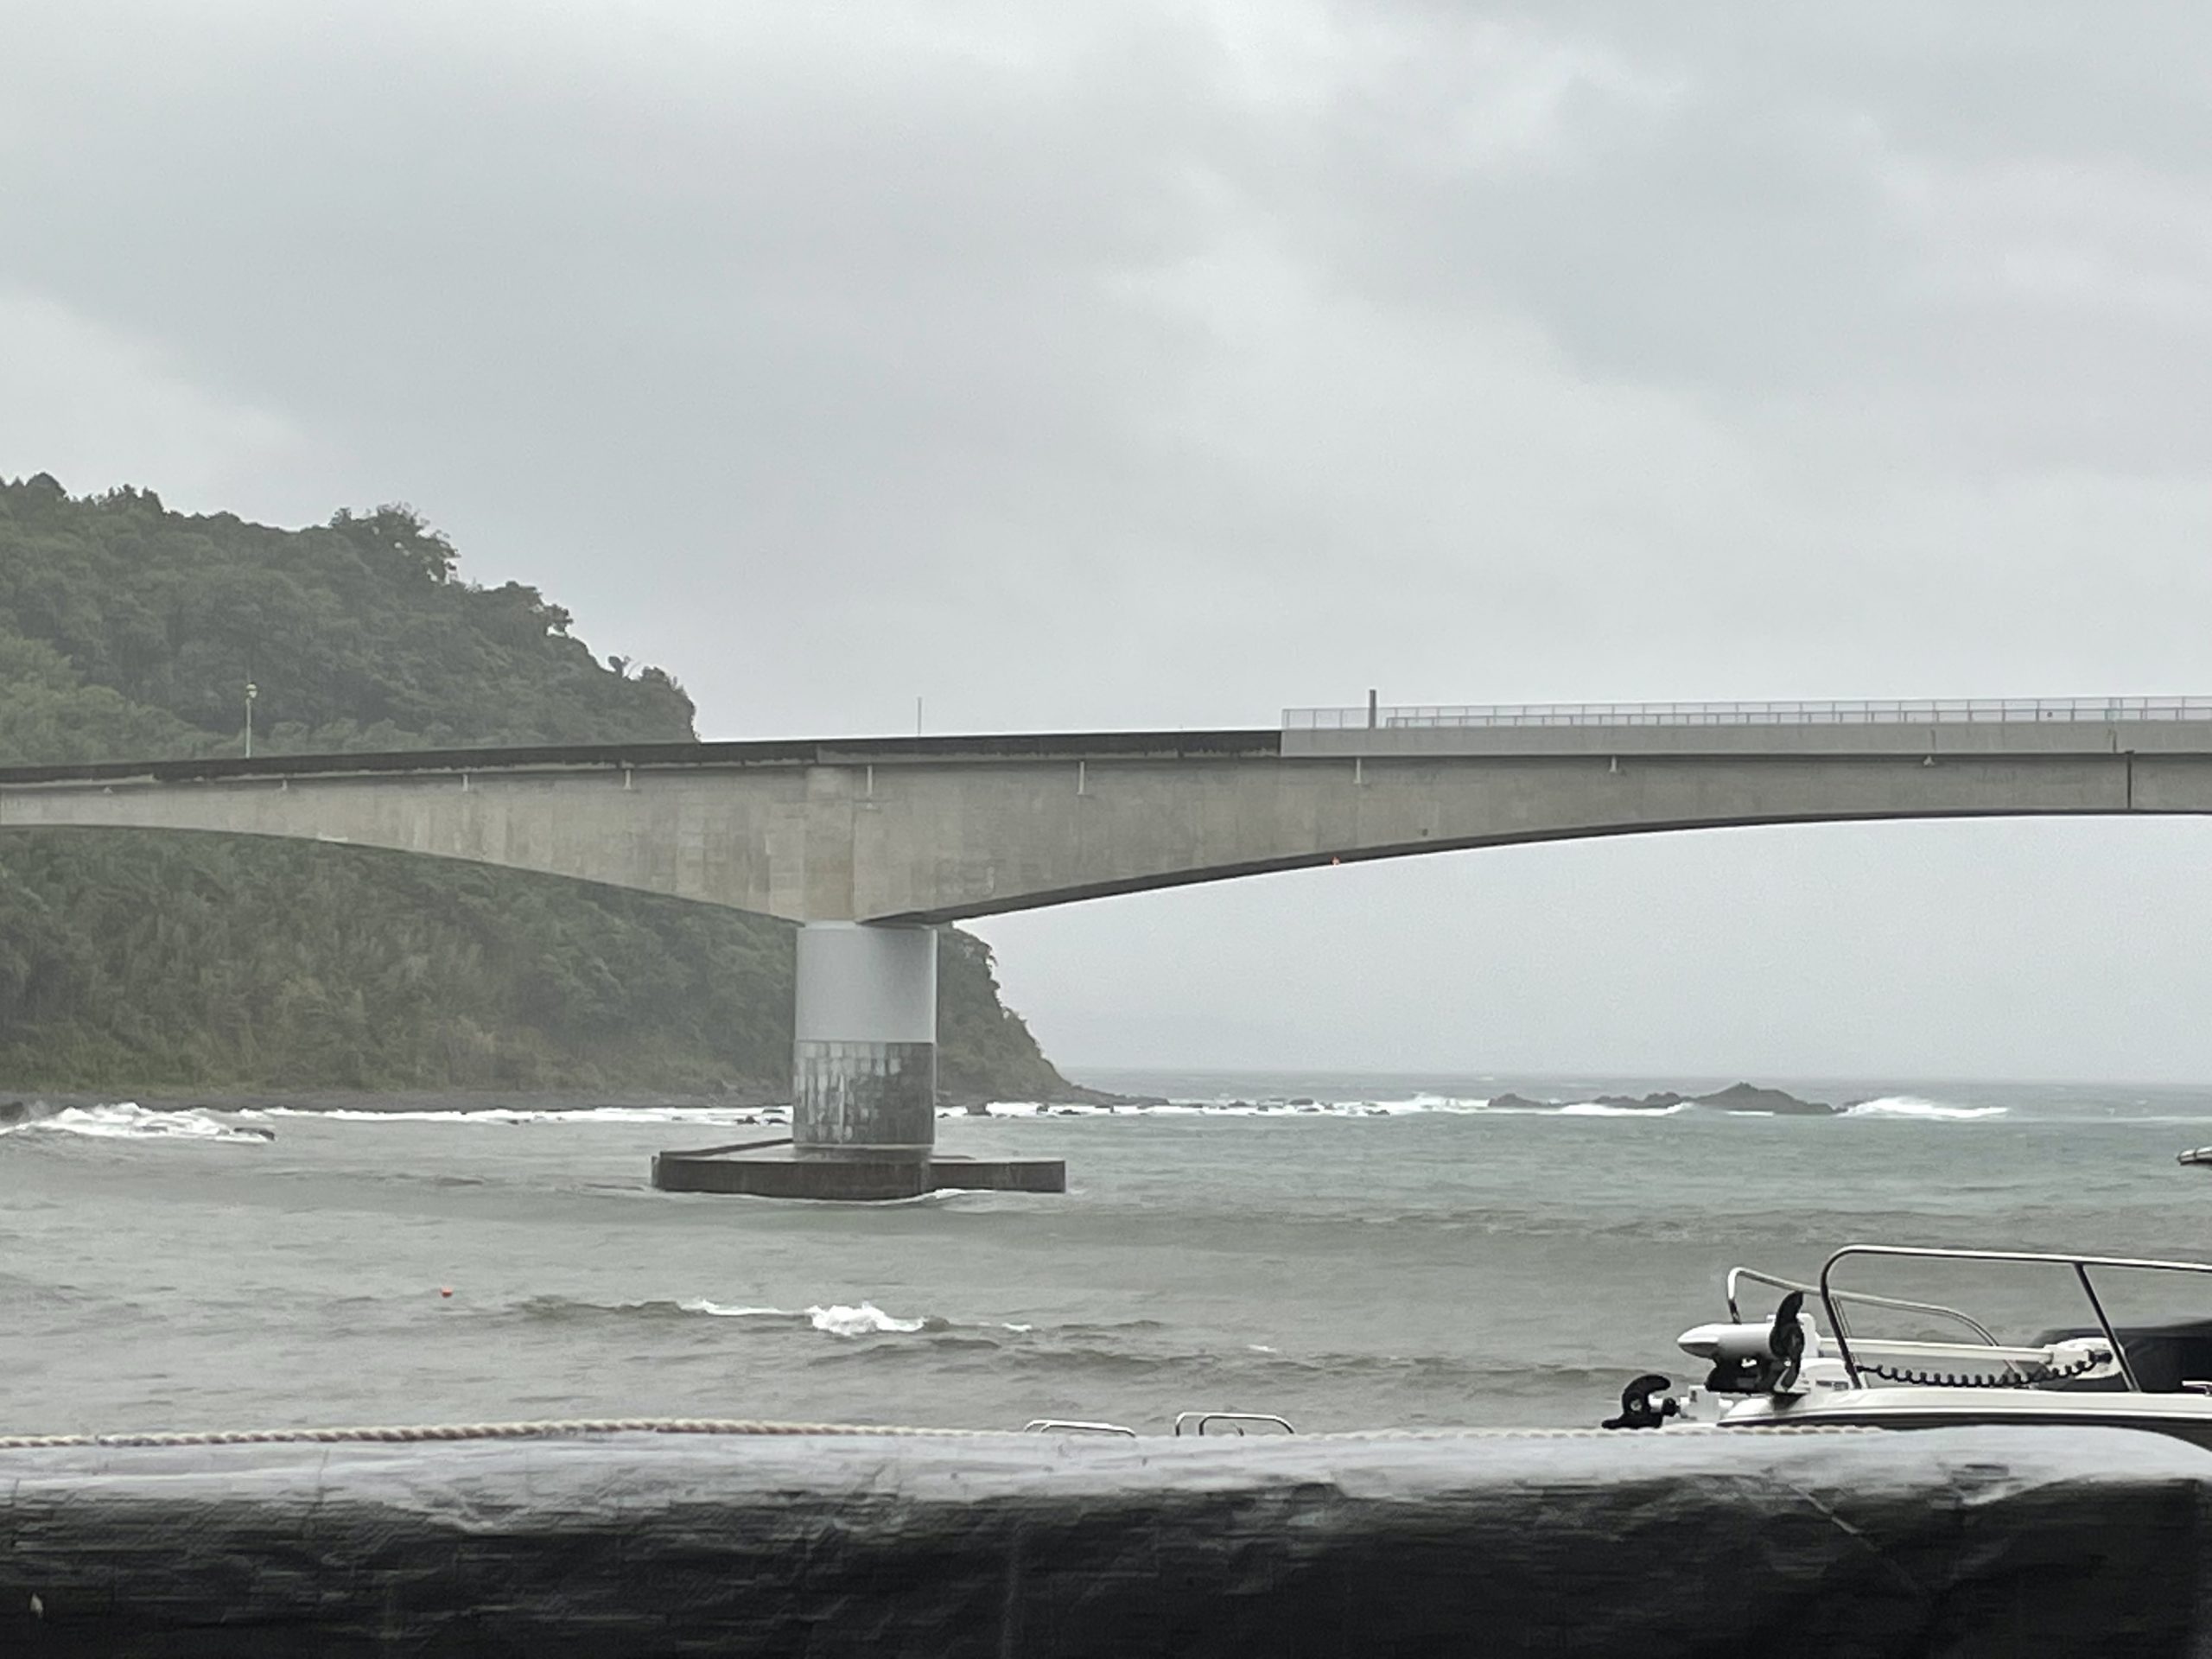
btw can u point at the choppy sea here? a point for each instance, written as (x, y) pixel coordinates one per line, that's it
(1349, 1251)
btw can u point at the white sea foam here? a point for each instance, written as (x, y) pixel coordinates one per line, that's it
(837, 1319)
(1913, 1106)
(859, 1321)
(701, 1305)
(774, 1117)
(128, 1121)
(1901, 1106)
(1409, 1106)
(718, 1117)
(1413, 1105)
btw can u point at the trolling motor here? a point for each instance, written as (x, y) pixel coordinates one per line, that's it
(1756, 1359)
(1747, 1359)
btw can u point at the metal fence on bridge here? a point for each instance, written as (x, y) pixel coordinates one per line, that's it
(1926, 711)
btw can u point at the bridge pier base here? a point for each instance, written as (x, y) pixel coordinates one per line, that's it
(863, 1084)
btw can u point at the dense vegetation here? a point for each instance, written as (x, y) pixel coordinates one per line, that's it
(135, 959)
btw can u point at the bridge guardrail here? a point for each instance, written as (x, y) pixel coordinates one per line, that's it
(1930, 711)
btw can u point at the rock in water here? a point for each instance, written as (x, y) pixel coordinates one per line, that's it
(1664, 1101)
(1509, 1102)
(1749, 1097)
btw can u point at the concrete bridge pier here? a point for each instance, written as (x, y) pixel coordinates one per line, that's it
(864, 1043)
(863, 1084)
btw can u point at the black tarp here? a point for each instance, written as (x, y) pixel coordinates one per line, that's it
(1996, 1542)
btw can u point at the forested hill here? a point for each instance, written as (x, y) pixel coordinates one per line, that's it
(131, 959)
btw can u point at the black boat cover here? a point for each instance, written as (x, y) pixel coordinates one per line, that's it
(2163, 1357)
(1984, 1541)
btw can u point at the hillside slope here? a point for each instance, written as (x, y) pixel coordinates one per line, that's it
(128, 960)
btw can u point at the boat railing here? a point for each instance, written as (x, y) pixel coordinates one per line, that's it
(1191, 1423)
(1830, 1297)
(1863, 1297)
(1201, 1422)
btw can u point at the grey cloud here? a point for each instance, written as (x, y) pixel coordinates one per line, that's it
(1775, 211)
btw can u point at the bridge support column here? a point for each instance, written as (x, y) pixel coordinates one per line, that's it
(863, 1085)
(864, 1043)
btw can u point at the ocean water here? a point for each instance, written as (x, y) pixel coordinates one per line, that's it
(1394, 1252)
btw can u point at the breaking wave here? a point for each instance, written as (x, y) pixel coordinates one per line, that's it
(1894, 1106)
(1912, 1106)
(1136, 1353)
(127, 1120)
(863, 1318)
(1411, 1106)
(838, 1320)
(715, 1116)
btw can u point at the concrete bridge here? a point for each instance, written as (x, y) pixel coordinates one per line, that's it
(867, 842)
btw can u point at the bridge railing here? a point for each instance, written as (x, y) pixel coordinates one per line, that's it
(1926, 711)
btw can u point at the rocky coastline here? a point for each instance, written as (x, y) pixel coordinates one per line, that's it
(1746, 1098)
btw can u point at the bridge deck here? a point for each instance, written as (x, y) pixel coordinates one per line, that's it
(945, 828)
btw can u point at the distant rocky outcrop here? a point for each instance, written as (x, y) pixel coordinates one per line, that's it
(1747, 1097)
(1509, 1102)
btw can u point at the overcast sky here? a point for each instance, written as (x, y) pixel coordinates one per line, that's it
(1128, 365)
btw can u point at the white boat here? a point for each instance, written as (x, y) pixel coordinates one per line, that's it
(1807, 1366)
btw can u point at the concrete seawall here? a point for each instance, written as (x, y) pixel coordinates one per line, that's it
(1987, 1541)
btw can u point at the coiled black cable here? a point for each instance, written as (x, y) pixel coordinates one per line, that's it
(2016, 1380)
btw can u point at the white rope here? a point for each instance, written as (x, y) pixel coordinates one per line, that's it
(409, 1433)
(581, 1428)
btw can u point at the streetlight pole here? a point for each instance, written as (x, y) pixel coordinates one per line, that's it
(252, 692)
